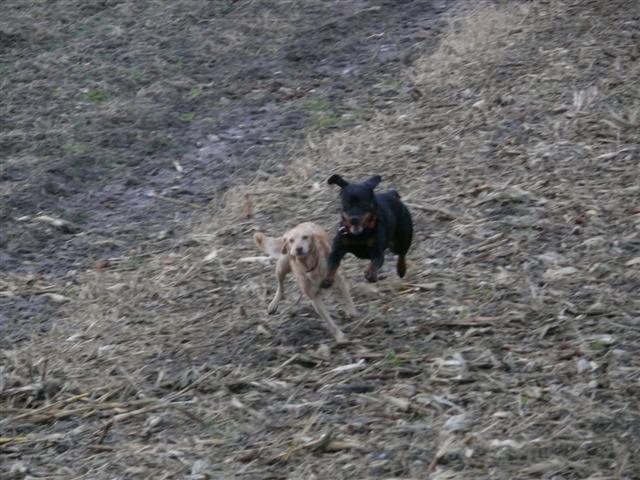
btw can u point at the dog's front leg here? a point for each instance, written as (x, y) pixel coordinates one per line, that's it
(324, 314)
(371, 274)
(343, 286)
(377, 259)
(282, 269)
(335, 257)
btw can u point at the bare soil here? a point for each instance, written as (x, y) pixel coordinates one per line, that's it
(509, 351)
(122, 118)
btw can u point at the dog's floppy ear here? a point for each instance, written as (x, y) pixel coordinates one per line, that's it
(373, 181)
(336, 179)
(285, 246)
(312, 241)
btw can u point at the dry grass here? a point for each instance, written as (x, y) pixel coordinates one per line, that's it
(486, 28)
(508, 352)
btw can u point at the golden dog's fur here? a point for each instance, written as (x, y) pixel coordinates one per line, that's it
(303, 250)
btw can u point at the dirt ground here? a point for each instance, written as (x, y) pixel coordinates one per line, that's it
(119, 122)
(143, 143)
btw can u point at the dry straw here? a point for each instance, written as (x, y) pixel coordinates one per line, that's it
(509, 351)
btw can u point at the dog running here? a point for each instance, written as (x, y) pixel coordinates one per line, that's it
(370, 223)
(304, 250)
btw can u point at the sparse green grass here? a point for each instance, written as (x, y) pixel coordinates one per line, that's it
(322, 113)
(97, 95)
(225, 7)
(483, 292)
(75, 148)
(325, 121)
(317, 105)
(119, 74)
(132, 263)
(186, 116)
(136, 73)
(158, 142)
(325, 116)
(393, 359)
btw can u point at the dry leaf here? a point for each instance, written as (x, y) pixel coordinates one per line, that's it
(210, 256)
(558, 273)
(56, 297)
(633, 261)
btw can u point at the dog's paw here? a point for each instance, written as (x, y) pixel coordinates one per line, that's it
(370, 276)
(272, 308)
(351, 313)
(326, 283)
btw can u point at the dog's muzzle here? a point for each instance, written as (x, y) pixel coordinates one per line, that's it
(355, 229)
(357, 225)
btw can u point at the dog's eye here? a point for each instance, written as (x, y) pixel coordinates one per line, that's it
(291, 240)
(305, 237)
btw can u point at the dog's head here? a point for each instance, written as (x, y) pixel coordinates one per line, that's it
(298, 242)
(359, 206)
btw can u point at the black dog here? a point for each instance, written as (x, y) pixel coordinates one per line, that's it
(371, 223)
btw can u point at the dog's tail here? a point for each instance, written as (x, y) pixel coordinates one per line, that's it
(272, 246)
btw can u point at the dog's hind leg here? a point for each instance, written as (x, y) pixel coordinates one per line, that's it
(404, 235)
(282, 269)
(401, 266)
(343, 286)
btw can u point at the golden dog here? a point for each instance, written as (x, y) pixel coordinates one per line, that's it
(303, 250)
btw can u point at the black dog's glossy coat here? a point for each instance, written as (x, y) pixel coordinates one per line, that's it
(371, 222)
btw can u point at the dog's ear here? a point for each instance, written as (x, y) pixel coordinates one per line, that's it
(373, 181)
(313, 246)
(336, 179)
(285, 246)
(312, 241)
